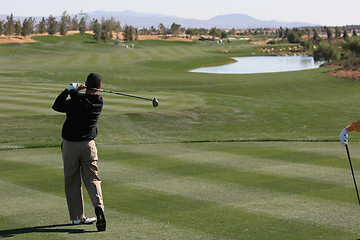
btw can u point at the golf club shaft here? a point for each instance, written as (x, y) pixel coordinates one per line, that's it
(122, 94)
(352, 171)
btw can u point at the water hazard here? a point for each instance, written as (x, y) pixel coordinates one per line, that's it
(263, 64)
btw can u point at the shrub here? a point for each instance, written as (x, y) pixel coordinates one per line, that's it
(307, 44)
(293, 37)
(353, 44)
(327, 52)
(351, 63)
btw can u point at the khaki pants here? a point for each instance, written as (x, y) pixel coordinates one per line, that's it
(80, 160)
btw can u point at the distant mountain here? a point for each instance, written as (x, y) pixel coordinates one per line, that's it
(127, 13)
(140, 20)
(237, 21)
(243, 21)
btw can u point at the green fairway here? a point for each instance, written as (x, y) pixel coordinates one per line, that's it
(253, 156)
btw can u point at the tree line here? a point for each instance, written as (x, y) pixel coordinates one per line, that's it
(103, 29)
(338, 44)
(294, 35)
(106, 28)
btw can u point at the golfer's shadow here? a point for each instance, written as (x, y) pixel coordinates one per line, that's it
(43, 229)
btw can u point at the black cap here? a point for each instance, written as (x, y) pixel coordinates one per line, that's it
(93, 80)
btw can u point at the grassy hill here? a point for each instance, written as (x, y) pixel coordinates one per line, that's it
(253, 156)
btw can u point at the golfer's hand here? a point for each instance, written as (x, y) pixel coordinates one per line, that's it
(73, 87)
(81, 87)
(344, 137)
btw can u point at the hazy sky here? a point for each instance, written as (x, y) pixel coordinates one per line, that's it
(323, 12)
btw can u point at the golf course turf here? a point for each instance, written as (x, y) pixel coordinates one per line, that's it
(250, 156)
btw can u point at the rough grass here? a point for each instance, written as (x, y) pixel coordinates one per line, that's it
(221, 157)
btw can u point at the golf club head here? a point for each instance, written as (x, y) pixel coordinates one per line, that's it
(155, 102)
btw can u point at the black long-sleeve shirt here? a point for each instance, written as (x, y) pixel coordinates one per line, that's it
(82, 114)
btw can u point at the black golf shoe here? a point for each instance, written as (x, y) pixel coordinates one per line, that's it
(101, 222)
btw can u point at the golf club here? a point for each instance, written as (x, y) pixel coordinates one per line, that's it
(352, 171)
(154, 101)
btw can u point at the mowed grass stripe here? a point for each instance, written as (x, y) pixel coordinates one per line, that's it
(157, 54)
(34, 92)
(64, 59)
(27, 180)
(36, 202)
(241, 162)
(27, 99)
(267, 166)
(44, 157)
(326, 175)
(103, 59)
(240, 193)
(41, 102)
(43, 61)
(199, 195)
(223, 221)
(27, 108)
(257, 200)
(232, 198)
(40, 87)
(136, 57)
(123, 57)
(92, 59)
(30, 214)
(174, 53)
(36, 99)
(83, 59)
(167, 102)
(24, 108)
(125, 109)
(180, 52)
(160, 168)
(143, 54)
(17, 88)
(27, 210)
(152, 54)
(33, 96)
(119, 58)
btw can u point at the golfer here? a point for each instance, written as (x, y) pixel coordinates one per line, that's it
(355, 126)
(79, 151)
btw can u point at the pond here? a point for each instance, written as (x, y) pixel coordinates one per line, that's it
(263, 64)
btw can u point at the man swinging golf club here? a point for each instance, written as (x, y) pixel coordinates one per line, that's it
(79, 151)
